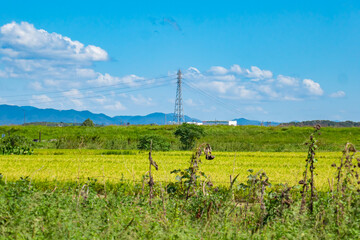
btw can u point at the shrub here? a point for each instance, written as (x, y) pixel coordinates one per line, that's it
(88, 123)
(16, 144)
(159, 143)
(188, 134)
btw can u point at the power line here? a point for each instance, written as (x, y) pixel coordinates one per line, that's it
(89, 88)
(230, 107)
(208, 95)
(164, 83)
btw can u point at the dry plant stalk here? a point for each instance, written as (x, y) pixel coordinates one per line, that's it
(151, 180)
(194, 164)
(310, 161)
(347, 177)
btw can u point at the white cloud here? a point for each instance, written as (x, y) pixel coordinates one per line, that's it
(193, 69)
(40, 99)
(257, 74)
(140, 100)
(50, 60)
(25, 41)
(244, 93)
(221, 87)
(338, 94)
(74, 95)
(236, 69)
(52, 83)
(218, 70)
(3, 74)
(36, 86)
(291, 98)
(255, 109)
(252, 84)
(268, 91)
(254, 73)
(86, 73)
(115, 107)
(225, 78)
(101, 100)
(108, 80)
(287, 81)
(313, 87)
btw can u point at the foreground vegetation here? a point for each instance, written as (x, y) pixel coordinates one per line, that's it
(189, 208)
(132, 194)
(221, 138)
(87, 212)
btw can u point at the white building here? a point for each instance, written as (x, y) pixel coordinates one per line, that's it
(216, 122)
(195, 123)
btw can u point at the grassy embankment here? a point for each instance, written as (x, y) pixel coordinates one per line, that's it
(221, 138)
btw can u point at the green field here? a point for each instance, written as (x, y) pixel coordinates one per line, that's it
(114, 166)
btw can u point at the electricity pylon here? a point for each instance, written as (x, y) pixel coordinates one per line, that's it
(179, 110)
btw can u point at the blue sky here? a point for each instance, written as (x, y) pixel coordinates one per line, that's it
(264, 60)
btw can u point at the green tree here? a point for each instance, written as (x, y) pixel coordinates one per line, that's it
(188, 134)
(159, 143)
(88, 123)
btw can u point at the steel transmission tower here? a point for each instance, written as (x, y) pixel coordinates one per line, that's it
(179, 110)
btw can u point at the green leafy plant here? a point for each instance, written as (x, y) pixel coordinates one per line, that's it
(189, 177)
(16, 144)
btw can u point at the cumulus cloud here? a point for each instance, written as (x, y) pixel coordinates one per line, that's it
(287, 81)
(51, 59)
(218, 70)
(25, 41)
(252, 84)
(222, 87)
(338, 94)
(257, 74)
(236, 69)
(313, 87)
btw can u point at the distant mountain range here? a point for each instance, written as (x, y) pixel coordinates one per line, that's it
(10, 114)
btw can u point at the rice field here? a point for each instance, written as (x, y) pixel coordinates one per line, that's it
(115, 166)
